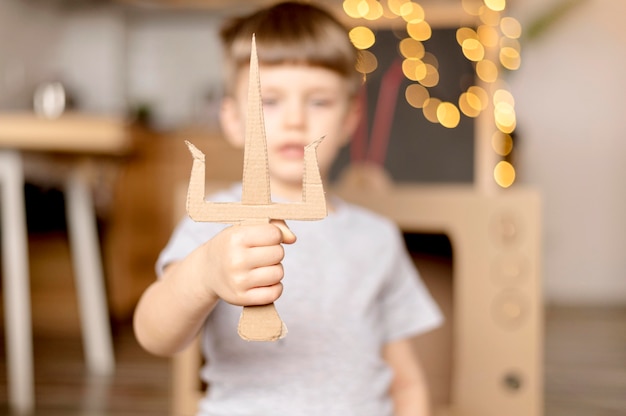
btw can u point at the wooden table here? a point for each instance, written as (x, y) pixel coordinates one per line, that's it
(81, 136)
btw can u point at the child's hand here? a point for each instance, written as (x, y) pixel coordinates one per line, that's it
(245, 263)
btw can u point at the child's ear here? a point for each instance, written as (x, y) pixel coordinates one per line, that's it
(232, 122)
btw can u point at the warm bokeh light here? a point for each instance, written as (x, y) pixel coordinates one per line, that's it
(411, 48)
(511, 27)
(363, 8)
(473, 50)
(488, 36)
(362, 37)
(480, 94)
(470, 104)
(414, 69)
(505, 128)
(431, 59)
(492, 46)
(504, 174)
(416, 95)
(497, 5)
(388, 14)
(487, 71)
(412, 12)
(502, 143)
(510, 58)
(430, 109)
(448, 115)
(351, 8)
(375, 10)
(503, 96)
(432, 76)
(464, 33)
(489, 17)
(472, 7)
(367, 63)
(505, 118)
(395, 6)
(419, 30)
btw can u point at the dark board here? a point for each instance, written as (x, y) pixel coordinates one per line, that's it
(418, 150)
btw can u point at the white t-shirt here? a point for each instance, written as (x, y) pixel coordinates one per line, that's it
(349, 288)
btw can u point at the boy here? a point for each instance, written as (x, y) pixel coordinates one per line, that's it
(352, 296)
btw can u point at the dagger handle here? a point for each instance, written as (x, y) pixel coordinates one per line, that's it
(261, 323)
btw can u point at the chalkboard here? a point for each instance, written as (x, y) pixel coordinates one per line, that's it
(418, 150)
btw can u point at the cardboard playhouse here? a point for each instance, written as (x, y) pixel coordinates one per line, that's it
(492, 364)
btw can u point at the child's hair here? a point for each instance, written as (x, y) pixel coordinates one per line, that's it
(290, 33)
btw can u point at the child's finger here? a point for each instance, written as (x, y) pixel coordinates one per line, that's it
(264, 295)
(288, 236)
(263, 256)
(258, 235)
(266, 276)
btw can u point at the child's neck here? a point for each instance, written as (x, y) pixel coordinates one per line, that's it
(289, 193)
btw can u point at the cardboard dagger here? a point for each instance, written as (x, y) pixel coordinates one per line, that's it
(257, 323)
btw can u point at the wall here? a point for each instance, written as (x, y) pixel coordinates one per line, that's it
(80, 46)
(571, 110)
(173, 65)
(111, 58)
(90, 54)
(22, 29)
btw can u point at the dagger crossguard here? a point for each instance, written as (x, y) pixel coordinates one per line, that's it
(257, 323)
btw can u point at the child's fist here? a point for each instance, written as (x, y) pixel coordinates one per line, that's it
(245, 263)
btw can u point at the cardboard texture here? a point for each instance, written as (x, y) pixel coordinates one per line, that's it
(257, 323)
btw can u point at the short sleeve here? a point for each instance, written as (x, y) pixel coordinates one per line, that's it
(189, 235)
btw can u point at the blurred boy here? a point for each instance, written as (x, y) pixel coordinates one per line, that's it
(352, 297)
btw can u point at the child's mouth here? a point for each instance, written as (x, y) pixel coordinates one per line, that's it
(292, 151)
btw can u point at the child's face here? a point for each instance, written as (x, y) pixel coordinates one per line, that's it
(300, 104)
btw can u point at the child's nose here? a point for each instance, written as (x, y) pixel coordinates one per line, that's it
(295, 115)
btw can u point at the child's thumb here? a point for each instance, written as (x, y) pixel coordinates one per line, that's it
(288, 236)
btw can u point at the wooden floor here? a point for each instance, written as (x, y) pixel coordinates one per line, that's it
(140, 385)
(585, 357)
(63, 387)
(585, 362)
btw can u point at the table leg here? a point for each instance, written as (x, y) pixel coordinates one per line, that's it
(16, 284)
(85, 249)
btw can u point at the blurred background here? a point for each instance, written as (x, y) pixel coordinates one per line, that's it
(153, 69)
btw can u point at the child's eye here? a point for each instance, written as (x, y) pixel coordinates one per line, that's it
(321, 102)
(269, 102)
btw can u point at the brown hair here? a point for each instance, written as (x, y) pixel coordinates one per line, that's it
(290, 33)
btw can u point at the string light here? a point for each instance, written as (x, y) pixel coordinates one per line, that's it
(416, 95)
(368, 63)
(448, 115)
(411, 48)
(496, 5)
(493, 47)
(504, 174)
(362, 37)
(502, 143)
